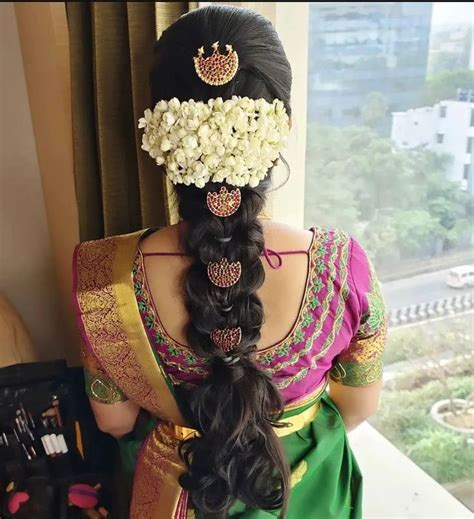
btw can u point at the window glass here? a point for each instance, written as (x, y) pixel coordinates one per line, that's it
(389, 114)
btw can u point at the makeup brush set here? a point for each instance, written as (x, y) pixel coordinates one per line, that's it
(51, 454)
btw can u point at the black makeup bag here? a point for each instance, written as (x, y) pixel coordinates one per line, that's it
(44, 452)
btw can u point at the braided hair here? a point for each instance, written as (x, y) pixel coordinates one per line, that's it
(237, 455)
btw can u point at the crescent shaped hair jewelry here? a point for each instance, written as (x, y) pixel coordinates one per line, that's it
(226, 339)
(224, 203)
(217, 69)
(224, 273)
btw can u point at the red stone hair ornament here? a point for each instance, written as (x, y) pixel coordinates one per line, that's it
(223, 202)
(226, 339)
(217, 69)
(224, 273)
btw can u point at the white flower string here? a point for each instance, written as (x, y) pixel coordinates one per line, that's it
(236, 141)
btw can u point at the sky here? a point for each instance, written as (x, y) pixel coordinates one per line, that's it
(452, 12)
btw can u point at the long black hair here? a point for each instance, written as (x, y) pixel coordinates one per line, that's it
(237, 455)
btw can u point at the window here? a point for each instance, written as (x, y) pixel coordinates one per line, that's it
(466, 95)
(327, 112)
(351, 112)
(410, 210)
(467, 168)
(469, 142)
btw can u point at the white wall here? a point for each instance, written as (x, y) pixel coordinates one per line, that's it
(413, 128)
(456, 129)
(421, 126)
(26, 271)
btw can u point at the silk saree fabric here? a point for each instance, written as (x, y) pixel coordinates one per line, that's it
(128, 354)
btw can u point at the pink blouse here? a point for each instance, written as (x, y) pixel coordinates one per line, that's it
(339, 332)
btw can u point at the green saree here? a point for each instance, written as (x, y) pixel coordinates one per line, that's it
(326, 480)
(121, 364)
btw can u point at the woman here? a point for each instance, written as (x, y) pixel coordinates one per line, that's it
(227, 329)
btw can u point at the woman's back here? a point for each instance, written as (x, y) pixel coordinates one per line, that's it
(312, 308)
(282, 292)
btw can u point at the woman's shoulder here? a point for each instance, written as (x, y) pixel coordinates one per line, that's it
(100, 251)
(98, 243)
(163, 239)
(280, 237)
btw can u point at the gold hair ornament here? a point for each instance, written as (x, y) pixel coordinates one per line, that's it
(217, 69)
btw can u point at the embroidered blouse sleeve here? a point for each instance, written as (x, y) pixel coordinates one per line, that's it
(360, 364)
(98, 385)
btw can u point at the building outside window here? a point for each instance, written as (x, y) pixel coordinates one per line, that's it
(399, 181)
(364, 55)
(446, 136)
(467, 168)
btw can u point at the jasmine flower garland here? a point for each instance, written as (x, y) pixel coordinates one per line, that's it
(237, 140)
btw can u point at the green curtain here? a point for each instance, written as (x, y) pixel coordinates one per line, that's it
(119, 188)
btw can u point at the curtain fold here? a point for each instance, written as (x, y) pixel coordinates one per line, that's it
(119, 188)
(165, 14)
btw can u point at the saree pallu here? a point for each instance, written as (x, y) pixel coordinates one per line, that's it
(325, 479)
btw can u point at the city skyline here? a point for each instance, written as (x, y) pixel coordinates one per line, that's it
(359, 49)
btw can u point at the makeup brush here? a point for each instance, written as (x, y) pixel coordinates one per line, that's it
(58, 412)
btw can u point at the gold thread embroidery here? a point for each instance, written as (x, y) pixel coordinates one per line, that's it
(102, 389)
(361, 363)
(376, 313)
(103, 285)
(343, 294)
(366, 349)
(337, 320)
(340, 241)
(312, 396)
(324, 313)
(298, 472)
(318, 234)
(357, 375)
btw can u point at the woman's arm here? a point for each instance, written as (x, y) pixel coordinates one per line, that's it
(355, 404)
(116, 419)
(356, 377)
(114, 413)
(356, 381)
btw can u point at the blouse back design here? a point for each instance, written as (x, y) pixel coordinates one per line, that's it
(339, 332)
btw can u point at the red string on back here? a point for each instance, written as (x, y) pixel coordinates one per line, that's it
(266, 253)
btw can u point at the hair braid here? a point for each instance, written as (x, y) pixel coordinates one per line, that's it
(236, 407)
